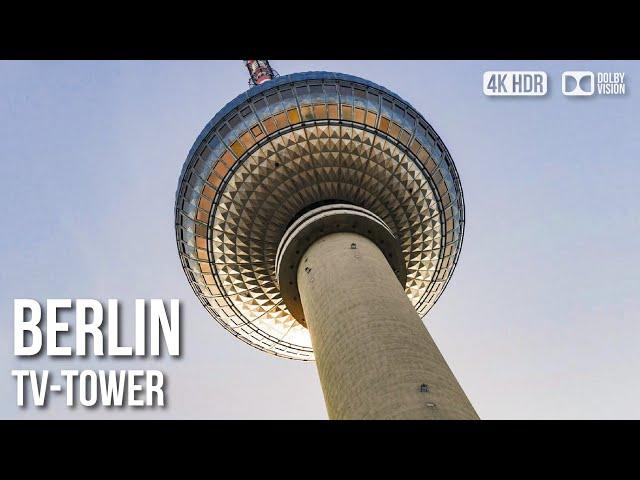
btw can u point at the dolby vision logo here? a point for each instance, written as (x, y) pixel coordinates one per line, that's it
(578, 84)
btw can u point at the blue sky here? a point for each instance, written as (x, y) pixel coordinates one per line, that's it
(540, 320)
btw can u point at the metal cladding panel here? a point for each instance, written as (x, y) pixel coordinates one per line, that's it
(287, 144)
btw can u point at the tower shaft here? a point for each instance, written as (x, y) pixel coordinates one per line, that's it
(375, 357)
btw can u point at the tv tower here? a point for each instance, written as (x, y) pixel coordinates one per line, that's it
(319, 217)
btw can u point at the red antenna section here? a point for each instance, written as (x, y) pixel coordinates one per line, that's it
(259, 71)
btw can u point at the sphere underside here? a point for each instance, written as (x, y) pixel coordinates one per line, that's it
(295, 142)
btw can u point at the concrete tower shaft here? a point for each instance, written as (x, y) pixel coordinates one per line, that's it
(375, 357)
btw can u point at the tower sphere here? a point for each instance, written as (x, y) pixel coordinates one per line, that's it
(287, 147)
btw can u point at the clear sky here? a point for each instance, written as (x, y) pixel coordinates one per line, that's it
(540, 320)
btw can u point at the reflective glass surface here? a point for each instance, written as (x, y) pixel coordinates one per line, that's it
(287, 144)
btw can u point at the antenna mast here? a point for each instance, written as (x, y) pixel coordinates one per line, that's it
(260, 71)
